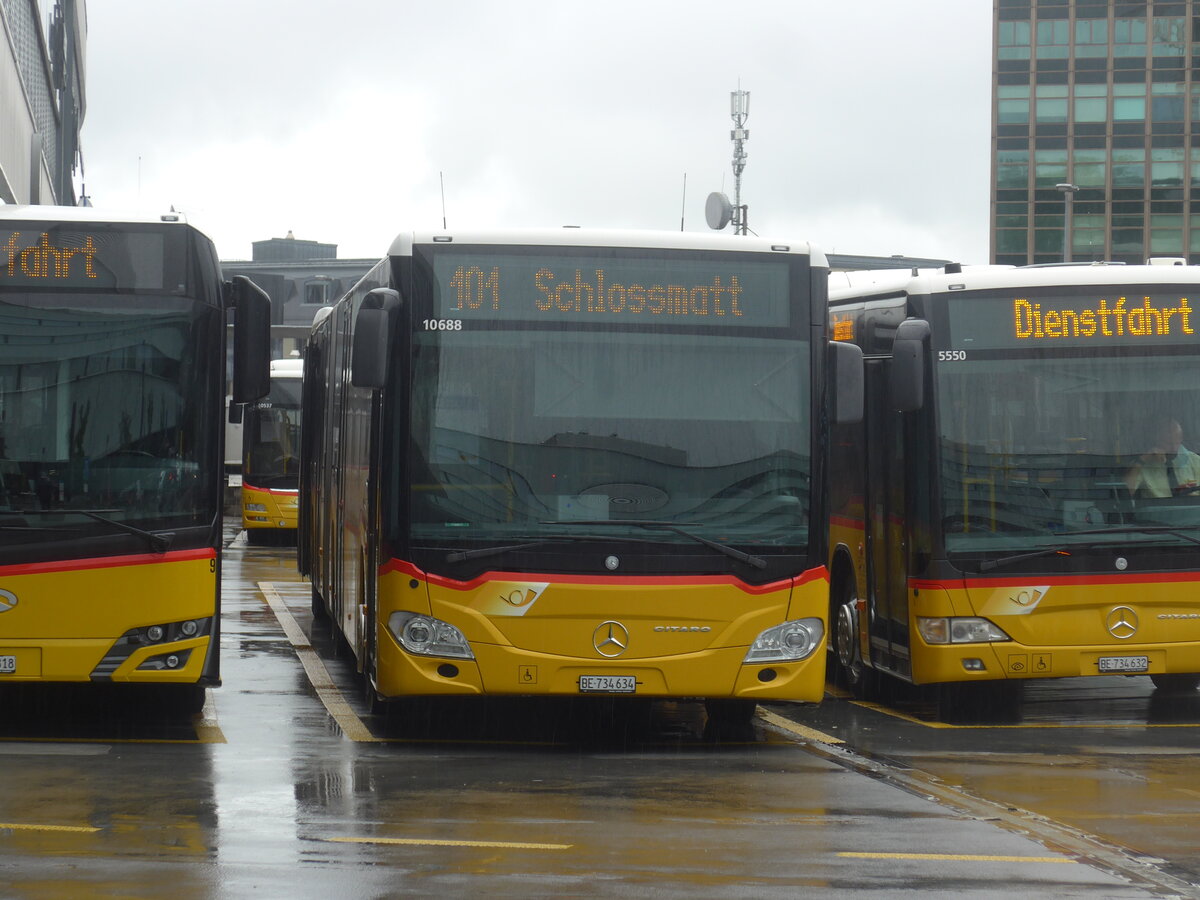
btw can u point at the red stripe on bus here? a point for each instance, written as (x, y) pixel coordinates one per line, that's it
(107, 562)
(1057, 580)
(407, 568)
(285, 492)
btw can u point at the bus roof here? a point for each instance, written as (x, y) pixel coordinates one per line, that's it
(848, 286)
(83, 214)
(587, 237)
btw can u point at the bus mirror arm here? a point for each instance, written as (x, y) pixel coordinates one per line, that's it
(251, 339)
(372, 338)
(847, 375)
(908, 365)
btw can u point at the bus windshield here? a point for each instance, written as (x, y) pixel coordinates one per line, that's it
(1055, 449)
(271, 437)
(106, 405)
(554, 417)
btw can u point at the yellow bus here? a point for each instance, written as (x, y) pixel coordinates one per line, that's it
(1008, 507)
(271, 455)
(112, 387)
(576, 463)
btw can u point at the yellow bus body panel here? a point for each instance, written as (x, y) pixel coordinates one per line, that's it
(1061, 627)
(536, 635)
(280, 508)
(67, 616)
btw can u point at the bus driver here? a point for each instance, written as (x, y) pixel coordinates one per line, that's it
(1167, 469)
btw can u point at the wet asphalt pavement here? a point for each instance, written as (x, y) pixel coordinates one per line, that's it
(285, 787)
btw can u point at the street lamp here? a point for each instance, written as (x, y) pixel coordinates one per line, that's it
(1068, 191)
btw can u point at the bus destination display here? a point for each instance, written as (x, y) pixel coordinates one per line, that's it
(729, 291)
(55, 257)
(1127, 318)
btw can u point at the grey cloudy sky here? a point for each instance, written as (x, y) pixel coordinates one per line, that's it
(869, 120)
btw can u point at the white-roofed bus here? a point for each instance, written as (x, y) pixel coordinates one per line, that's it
(271, 455)
(576, 463)
(112, 392)
(1008, 509)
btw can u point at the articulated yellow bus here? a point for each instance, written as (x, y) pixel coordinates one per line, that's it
(112, 387)
(271, 455)
(576, 463)
(1019, 501)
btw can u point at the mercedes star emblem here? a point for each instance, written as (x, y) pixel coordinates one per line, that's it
(610, 639)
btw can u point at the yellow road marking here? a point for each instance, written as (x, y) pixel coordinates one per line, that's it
(896, 714)
(809, 734)
(352, 726)
(432, 842)
(960, 857)
(76, 829)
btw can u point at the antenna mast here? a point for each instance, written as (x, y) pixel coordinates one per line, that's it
(718, 211)
(739, 111)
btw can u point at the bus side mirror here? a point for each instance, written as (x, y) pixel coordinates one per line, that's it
(847, 382)
(251, 340)
(370, 353)
(907, 377)
(235, 413)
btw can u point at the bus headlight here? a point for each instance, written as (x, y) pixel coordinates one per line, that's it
(256, 507)
(959, 630)
(427, 636)
(788, 642)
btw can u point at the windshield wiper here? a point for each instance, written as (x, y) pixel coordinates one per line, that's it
(732, 552)
(1067, 549)
(463, 555)
(159, 543)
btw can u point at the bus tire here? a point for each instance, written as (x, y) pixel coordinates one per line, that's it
(376, 705)
(849, 671)
(1176, 683)
(319, 612)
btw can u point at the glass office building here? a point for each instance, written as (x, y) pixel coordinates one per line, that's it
(1094, 122)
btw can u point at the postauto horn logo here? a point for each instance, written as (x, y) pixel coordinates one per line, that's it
(7, 600)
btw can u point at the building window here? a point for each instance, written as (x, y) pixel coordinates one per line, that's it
(1013, 39)
(1052, 103)
(1166, 167)
(1091, 103)
(1053, 39)
(1091, 37)
(1089, 168)
(1012, 169)
(1012, 104)
(318, 290)
(1011, 240)
(1166, 235)
(1128, 168)
(1167, 103)
(1050, 168)
(1169, 37)
(1129, 102)
(1087, 236)
(1129, 37)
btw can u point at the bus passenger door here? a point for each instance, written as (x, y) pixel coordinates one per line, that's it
(887, 593)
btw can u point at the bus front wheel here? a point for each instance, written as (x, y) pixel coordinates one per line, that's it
(1176, 684)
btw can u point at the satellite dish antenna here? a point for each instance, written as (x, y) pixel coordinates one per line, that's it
(718, 211)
